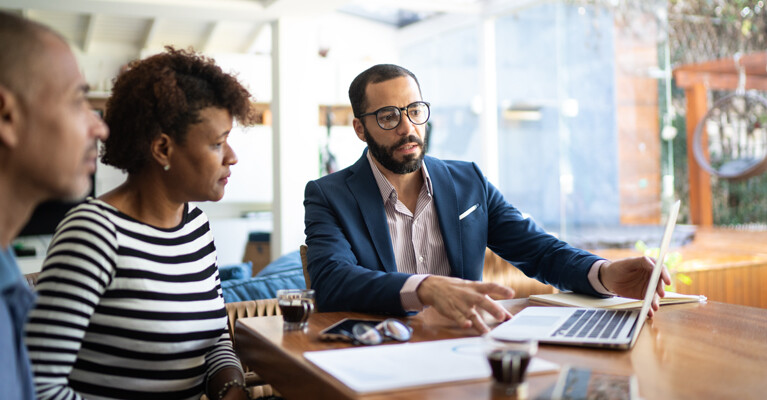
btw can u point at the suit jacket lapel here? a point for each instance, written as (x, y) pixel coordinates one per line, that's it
(446, 203)
(363, 186)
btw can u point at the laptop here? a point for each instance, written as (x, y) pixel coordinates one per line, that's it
(593, 327)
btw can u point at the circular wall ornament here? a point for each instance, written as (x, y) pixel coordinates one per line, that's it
(735, 142)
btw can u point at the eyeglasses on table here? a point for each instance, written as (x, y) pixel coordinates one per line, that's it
(369, 335)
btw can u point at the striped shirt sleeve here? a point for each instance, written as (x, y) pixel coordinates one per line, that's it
(83, 254)
(222, 355)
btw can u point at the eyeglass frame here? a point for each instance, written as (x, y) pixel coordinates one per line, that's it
(400, 109)
(382, 332)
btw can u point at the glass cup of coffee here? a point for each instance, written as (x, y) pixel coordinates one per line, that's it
(296, 306)
(509, 361)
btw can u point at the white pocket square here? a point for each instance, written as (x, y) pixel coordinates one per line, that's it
(467, 212)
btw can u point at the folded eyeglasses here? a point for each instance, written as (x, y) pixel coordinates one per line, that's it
(368, 334)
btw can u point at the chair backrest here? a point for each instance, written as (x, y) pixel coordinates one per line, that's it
(304, 262)
(250, 308)
(32, 279)
(246, 309)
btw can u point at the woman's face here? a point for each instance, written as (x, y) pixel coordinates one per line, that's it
(200, 166)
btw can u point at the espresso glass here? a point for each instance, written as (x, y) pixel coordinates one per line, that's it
(509, 361)
(296, 305)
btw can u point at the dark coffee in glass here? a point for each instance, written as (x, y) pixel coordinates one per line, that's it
(296, 312)
(296, 305)
(509, 366)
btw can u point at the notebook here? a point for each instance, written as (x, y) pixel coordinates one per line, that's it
(570, 299)
(594, 327)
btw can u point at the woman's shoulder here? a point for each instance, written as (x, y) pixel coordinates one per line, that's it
(91, 209)
(90, 220)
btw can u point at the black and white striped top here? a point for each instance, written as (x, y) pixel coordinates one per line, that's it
(128, 311)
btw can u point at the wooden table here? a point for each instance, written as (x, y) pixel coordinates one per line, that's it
(687, 351)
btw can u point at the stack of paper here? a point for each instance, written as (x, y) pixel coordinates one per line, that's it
(583, 300)
(396, 366)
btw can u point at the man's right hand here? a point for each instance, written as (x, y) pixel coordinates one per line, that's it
(462, 300)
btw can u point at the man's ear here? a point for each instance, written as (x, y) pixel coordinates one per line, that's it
(10, 117)
(359, 129)
(162, 147)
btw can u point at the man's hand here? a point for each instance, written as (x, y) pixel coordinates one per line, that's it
(628, 278)
(462, 300)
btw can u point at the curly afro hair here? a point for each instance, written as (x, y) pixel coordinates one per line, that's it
(164, 94)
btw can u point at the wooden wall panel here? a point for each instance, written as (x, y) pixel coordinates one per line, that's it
(742, 285)
(637, 119)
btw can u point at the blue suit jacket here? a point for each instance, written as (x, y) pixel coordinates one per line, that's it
(350, 257)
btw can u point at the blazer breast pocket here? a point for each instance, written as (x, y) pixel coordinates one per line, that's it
(470, 212)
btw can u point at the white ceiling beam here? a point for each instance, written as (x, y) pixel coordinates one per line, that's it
(90, 28)
(226, 10)
(250, 43)
(207, 38)
(149, 33)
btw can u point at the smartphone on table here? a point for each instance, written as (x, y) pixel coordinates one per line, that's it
(342, 330)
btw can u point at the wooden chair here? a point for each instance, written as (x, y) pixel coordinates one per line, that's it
(248, 309)
(240, 309)
(304, 263)
(498, 270)
(32, 279)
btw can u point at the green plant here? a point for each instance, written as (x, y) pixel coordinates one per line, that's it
(673, 262)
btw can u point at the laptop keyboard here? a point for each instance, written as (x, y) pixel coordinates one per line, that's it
(593, 324)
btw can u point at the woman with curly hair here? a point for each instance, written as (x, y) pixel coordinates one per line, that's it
(130, 303)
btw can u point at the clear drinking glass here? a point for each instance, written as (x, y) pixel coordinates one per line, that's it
(296, 306)
(509, 361)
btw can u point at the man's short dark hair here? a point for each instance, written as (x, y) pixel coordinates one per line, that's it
(165, 94)
(375, 74)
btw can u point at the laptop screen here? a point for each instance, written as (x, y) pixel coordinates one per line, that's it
(652, 283)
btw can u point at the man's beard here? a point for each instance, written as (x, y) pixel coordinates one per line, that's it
(385, 155)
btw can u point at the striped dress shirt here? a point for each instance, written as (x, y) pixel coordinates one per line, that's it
(416, 238)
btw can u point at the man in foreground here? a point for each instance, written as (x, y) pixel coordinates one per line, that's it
(48, 151)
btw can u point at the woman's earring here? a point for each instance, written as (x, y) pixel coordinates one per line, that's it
(166, 167)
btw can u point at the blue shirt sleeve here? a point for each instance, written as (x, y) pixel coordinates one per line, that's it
(16, 300)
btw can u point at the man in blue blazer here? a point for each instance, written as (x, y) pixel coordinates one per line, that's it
(399, 230)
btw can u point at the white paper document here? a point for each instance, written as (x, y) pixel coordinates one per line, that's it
(396, 366)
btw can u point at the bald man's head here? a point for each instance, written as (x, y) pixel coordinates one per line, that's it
(23, 43)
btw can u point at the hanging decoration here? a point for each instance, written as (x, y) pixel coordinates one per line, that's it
(730, 141)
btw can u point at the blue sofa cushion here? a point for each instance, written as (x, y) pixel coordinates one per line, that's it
(284, 273)
(289, 262)
(236, 271)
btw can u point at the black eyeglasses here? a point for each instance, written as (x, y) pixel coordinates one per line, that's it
(389, 117)
(371, 335)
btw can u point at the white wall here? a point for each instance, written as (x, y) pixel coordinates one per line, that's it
(103, 62)
(353, 44)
